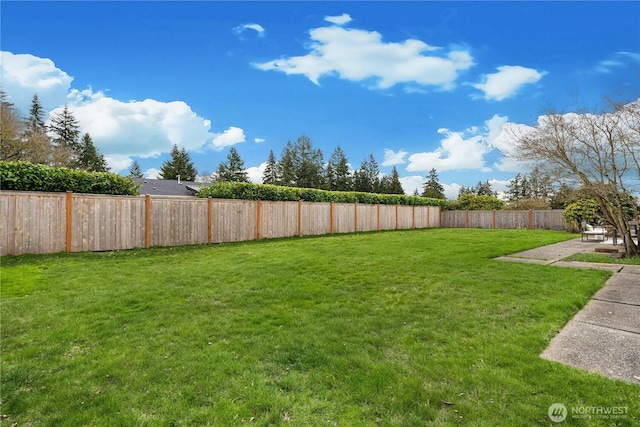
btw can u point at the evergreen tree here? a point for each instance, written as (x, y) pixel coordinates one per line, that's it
(179, 165)
(367, 177)
(232, 170)
(391, 184)
(338, 176)
(37, 144)
(466, 190)
(301, 165)
(514, 188)
(35, 122)
(271, 174)
(308, 164)
(66, 144)
(135, 171)
(484, 189)
(432, 188)
(286, 167)
(89, 158)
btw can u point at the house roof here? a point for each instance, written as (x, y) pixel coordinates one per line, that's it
(167, 187)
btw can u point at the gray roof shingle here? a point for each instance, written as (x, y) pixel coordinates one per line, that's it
(167, 187)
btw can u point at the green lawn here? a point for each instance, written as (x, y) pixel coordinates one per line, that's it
(404, 328)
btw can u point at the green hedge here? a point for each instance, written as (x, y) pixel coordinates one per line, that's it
(25, 176)
(249, 191)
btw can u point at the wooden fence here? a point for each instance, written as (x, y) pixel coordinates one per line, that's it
(34, 222)
(532, 219)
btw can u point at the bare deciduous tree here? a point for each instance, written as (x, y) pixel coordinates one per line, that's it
(598, 150)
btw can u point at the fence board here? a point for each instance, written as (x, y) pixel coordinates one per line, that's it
(279, 219)
(32, 222)
(507, 219)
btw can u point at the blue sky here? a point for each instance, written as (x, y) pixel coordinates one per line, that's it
(419, 85)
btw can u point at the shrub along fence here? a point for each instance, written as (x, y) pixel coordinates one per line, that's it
(37, 222)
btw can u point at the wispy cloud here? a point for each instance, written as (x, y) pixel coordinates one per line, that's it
(363, 56)
(618, 60)
(507, 81)
(259, 29)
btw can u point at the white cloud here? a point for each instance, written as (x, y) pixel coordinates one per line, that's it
(255, 173)
(345, 18)
(231, 136)
(259, 140)
(362, 56)
(392, 158)
(412, 183)
(451, 190)
(507, 81)
(152, 173)
(458, 150)
(142, 128)
(24, 75)
(255, 27)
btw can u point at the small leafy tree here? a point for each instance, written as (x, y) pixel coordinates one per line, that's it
(599, 149)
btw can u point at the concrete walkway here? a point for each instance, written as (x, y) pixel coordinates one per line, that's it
(604, 337)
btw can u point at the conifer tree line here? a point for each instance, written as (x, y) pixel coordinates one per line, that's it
(303, 165)
(57, 144)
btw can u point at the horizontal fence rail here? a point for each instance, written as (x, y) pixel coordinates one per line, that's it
(38, 223)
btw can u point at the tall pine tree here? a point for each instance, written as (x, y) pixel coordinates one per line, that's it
(89, 158)
(66, 133)
(135, 171)
(232, 170)
(271, 174)
(180, 165)
(390, 184)
(338, 176)
(432, 188)
(367, 178)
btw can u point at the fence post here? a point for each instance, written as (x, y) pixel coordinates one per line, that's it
(413, 216)
(69, 224)
(530, 219)
(147, 221)
(258, 219)
(493, 219)
(378, 217)
(209, 219)
(299, 218)
(396, 216)
(355, 217)
(466, 219)
(331, 214)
